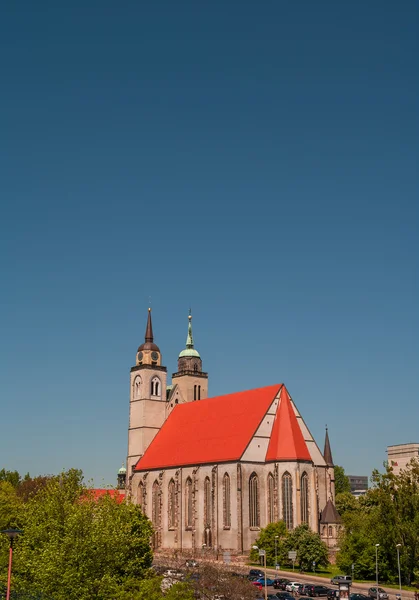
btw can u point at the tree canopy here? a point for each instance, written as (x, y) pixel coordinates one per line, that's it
(341, 480)
(302, 539)
(387, 515)
(76, 546)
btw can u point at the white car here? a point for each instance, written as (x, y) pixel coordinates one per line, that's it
(292, 586)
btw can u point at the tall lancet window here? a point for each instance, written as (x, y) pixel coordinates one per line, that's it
(140, 495)
(271, 498)
(171, 505)
(188, 504)
(287, 514)
(207, 502)
(155, 499)
(304, 497)
(254, 513)
(226, 501)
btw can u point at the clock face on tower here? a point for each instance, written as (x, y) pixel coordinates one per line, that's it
(154, 356)
(140, 356)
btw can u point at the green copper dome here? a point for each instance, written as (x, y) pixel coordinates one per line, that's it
(189, 351)
(122, 470)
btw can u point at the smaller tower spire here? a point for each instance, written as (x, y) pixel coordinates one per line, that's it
(149, 328)
(327, 451)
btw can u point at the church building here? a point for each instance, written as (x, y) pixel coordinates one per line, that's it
(211, 472)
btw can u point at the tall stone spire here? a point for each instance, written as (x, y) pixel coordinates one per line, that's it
(149, 328)
(327, 451)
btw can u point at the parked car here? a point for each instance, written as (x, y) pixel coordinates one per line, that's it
(358, 597)
(292, 586)
(317, 590)
(341, 578)
(279, 584)
(285, 596)
(303, 589)
(256, 573)
(333, 594)
(269, 582)
(191, 563)
(257, 584)
(382, 594)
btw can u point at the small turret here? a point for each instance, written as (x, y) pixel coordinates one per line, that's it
(122, 477)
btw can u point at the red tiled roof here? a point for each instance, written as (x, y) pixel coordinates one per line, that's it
(287, 440)
(96, 493)
(208, 431)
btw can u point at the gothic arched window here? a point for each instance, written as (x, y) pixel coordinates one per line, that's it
(140, 495)
(271, 497)
(136, 387)
(188, 504)
(171, 505)
(304, 497)
(254, 514)
(155, 500)
(226, 501)
(155, 387)
(207, 502)
(287, 514)
(330, 531)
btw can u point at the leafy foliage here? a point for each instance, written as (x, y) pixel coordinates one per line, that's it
(387, 515)
(306, 542)
(76, 546)
(309, 547)
(341, 480)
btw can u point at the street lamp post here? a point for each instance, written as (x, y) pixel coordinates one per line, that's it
(376, 566)
(11, 534)
(276, 552)
(263, 553)
(398, 546)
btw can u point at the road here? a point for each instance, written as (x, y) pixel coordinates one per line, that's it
(361, 588)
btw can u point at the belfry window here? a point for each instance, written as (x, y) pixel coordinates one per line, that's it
(171, 505)
(136, 387)
(188, 504)
(155, 386)
(304, 497)
(254, 513)
(271, 494)
(226, 501)
(287, 511)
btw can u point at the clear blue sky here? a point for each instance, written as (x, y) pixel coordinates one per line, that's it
(254, 160)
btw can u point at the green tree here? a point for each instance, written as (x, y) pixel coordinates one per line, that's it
(12, 477)
(266, 541)
(345, 501)
(75, 546)
(309, 547)
(341, 481)
(9, 505)
(387, 515)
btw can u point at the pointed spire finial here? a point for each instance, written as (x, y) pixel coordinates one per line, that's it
(327, 450)
(189, 339)
(149, 328)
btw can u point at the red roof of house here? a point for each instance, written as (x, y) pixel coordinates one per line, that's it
(219, 430)
(96, 493)
(287, 440)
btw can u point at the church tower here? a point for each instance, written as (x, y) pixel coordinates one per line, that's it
(147, 398)
(190, 382)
